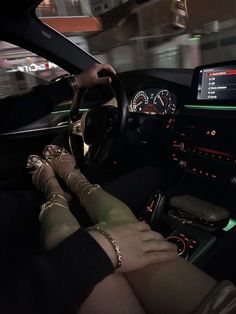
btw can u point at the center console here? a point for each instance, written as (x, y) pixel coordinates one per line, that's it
(191, 243)
(201, 144)
(193, 239)
(204, 147)
(203, 137)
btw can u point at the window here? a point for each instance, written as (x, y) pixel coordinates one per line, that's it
(22, 69)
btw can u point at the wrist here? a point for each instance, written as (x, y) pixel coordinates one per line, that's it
(107, 243)
(73, 83)
(104, 243)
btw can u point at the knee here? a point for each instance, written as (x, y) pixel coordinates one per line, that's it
(57, 235)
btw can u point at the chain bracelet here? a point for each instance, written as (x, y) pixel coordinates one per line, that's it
(113, 243)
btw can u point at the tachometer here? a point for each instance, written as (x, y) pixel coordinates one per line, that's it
(139, 102)
(164, 102)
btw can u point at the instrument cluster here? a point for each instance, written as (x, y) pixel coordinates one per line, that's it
(153, 101)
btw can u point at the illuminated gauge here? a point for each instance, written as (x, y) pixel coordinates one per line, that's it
(139, 102)
(164, 102)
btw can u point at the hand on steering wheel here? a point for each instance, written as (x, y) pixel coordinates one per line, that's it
(90, 77)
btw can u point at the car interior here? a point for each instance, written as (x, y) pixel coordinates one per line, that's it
(180, 121)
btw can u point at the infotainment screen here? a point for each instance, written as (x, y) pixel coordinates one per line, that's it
(217, 83)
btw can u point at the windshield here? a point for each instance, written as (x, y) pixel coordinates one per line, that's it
(155, 34)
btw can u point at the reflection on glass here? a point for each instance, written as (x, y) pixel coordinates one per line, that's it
(21, 69)
(156, 34)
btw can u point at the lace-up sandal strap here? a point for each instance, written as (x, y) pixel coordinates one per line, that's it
(34, 164)
(66, 197)
(37, 166)
(57, 156)
(57, 153)
(55, 199)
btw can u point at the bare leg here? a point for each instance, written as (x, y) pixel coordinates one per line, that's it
(101, 206)
(57, 222)
(171, 287)
(112, 295)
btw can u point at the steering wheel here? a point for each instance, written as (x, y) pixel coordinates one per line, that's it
(100, 128)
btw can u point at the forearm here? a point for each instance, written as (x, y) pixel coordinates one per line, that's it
(21, 109)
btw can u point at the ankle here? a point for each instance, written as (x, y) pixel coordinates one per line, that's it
(56, 235)
(54, 199)
(52, 187)
(73, 178)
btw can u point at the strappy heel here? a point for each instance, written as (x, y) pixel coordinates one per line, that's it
(58, 199)
(35, 166)
(56, 155)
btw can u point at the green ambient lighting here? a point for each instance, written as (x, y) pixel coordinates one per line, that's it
(65, 111)
(231, 224)
(207, 107)
(195, 37)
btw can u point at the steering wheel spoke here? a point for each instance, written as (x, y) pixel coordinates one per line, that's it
(99, 128)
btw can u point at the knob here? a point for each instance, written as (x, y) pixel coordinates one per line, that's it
(181, 246)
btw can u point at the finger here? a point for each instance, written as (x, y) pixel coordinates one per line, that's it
(154, 245)
(107, 67)
(152, 235)
(104, 80)
(159, 257)
(141, 226)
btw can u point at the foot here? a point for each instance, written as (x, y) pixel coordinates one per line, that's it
(62, 162)
(43, 176)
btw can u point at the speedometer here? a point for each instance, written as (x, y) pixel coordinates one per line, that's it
(139, 102)
(164, 102)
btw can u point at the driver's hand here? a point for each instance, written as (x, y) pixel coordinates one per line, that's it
(90, 77)
(139, 245)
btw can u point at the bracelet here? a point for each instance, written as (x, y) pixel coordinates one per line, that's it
(113, 243)
(72, 82)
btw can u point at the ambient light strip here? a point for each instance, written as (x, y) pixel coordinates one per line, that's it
(66, 111)
(208, 107)
(231, 224)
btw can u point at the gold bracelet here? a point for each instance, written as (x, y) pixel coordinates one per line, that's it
(113, 243)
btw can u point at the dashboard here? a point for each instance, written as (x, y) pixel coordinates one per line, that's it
(202, 139)
(153, 101)
(198, 123)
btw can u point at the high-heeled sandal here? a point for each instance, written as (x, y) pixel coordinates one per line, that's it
(35, 165)
(55, 155)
